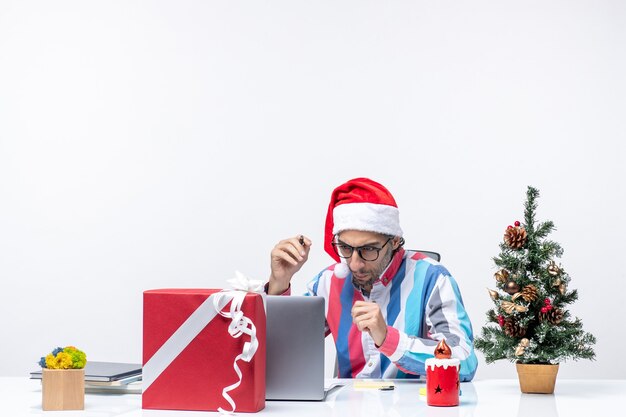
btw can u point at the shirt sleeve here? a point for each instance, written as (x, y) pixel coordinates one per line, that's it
(446, 318)
(286, 292)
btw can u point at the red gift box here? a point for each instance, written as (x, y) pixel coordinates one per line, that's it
(188, 353)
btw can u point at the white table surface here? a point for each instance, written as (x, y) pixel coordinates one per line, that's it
(497, 398)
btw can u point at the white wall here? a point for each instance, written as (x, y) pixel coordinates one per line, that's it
(167, 144)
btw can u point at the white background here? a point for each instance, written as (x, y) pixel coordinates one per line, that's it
(169, 143)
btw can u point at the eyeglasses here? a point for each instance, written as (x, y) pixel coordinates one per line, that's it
(367, 253)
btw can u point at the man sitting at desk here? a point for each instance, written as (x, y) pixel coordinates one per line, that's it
(386, 307)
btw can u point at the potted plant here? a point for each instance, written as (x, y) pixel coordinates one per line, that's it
(529, 323)
(63, 379)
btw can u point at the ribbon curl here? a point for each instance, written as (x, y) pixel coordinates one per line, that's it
(239, 325)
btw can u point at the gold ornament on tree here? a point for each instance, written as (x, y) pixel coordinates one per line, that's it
(502, 276)
(515, 237)
(509, 307)
(493, 294)
(521, 347)
(511, 287)
(561, 285)
(553, 269)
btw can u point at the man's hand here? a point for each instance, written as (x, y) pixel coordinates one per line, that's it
(368, 318)
(287, 258)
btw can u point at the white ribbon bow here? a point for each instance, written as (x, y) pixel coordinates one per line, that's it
(239, 325)
(243, 283)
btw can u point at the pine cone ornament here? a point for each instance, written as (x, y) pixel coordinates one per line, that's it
(512, 328)
(552, 315)
(528, 294)
(515, 237)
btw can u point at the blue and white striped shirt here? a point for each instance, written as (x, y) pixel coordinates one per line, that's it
(421, 304)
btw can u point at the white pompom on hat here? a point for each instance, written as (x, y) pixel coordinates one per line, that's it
(360, 204)
(341, 270)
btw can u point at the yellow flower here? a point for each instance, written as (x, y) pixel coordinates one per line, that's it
(61, 361)
(50, 361)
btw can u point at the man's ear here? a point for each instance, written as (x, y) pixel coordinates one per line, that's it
(397, 242)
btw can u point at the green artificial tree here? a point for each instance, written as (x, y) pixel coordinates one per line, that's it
(530, 323)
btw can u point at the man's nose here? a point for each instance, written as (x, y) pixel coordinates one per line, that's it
(356, 262)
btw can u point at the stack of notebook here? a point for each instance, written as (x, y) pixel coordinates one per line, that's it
(113, 377)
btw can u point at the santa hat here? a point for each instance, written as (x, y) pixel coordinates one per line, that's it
(360, 204)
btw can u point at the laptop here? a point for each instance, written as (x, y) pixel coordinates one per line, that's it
(295, 348)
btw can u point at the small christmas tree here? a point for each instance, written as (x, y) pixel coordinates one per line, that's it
(532, 324)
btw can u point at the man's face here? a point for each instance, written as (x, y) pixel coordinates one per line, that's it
(366, 272)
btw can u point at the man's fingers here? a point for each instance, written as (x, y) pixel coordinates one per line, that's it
(364, 305)
(364, 325)
(360, 313)
(294, 243)
(288, 247)
(365, 317)
(284, 256)
(361, 307)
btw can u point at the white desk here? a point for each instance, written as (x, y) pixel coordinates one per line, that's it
(489, 398)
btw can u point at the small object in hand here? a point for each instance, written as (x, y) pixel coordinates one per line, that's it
(301, 240)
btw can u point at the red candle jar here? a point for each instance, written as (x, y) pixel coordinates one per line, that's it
(442, 378)
(442, 382)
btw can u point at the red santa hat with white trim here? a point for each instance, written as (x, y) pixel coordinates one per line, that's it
(360, 204)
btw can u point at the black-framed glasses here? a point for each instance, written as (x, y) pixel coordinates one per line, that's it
(367, 252)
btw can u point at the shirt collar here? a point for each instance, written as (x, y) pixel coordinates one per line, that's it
(392, 268)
